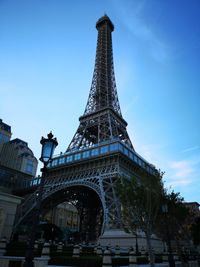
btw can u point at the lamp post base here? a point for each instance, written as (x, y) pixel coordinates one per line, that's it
(171, 261)
(28, 264)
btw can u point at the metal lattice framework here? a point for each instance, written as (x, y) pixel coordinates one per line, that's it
(100, 151)
(103, 91)
(101, 180)
(102, 119)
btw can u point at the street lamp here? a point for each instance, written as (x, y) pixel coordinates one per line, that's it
(136, 244)
(48, 146)
(170, 255)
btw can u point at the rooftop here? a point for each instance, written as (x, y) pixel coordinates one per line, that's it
(19, 141)
(5, 126)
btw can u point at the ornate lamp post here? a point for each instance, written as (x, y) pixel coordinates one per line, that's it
(170, 255)
(48, 146)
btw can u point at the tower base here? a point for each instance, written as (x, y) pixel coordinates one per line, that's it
(118, 237)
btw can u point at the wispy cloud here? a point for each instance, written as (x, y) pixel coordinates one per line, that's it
(191, 149)
(157, 48)
(179, 174)
(132, 18)
(182, 168)
(183, 172)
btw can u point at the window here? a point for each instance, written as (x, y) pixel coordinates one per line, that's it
(143, 164)
(103, 149)
(139, 162)
(49, 164)
(94, 152)
(3, 138)
(77, 156)
(86, 154)
(62, 160)
(135, 158)
(121, 147)
(126, 151)
(131, 155)
(54, 162)
(148, 169)
(114, 147)
(29, 166)
(69, 158)
(35, 181)
(6, 139)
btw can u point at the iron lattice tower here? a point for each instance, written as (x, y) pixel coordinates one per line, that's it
(99, 154)
(102, 120)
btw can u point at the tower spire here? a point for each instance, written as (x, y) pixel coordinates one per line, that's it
(102, 120)
(103, 92)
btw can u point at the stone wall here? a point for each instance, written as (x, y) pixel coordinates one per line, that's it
(8, 206)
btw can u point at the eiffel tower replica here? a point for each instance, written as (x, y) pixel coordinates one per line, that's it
(99, 154)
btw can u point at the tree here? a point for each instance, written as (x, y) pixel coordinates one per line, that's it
(140, 199)
(195, 231)
(174, 222)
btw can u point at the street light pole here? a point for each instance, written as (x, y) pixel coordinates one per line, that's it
(48, 146)
(136, 244)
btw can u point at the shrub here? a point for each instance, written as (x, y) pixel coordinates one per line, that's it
(158, 259)
(15, 264)
(142, 260)
(84, 261)
(16, 249)
(19, 249)
(120, 261)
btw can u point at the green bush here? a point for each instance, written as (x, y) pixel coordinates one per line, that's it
(67, 251)
(158, 259)
(84, 261)
(142, 260)
(16, 249)
(19, 249)
(89, 251)
(15, 264)
(120, 261)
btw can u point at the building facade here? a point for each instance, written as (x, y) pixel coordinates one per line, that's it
(5, 134)
(194, 208)
(16, 155)
(17, 163)
(66, 217)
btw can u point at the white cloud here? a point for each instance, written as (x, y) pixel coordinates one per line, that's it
(183, 172)
(182, 169)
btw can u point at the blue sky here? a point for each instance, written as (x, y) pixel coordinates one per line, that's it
(47, 53)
